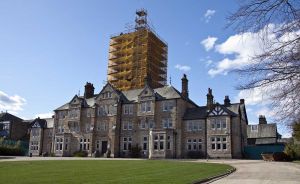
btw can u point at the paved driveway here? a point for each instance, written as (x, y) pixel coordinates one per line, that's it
(257, 171)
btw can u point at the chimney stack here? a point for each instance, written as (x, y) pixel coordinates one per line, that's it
(148, 81)
(227, 101)
(262, 119)
(210, 99)
(89, 90)
(184, 87)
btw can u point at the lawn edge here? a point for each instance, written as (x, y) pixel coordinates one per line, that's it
(216, 177)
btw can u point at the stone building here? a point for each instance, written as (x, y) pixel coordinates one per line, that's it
(138, 114)
(12, 127)
(41, 135)
(262, 133)
(159, 123)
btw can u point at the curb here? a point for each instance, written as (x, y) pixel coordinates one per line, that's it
(215, 178)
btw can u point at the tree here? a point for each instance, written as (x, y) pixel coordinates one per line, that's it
(296, 130)
(277, 69)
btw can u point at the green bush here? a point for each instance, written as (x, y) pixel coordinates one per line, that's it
(293, 151)
(135, 151)
(10, 149)
(80, 154)
(194, 154)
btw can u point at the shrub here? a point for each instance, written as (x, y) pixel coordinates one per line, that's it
(80, 154)
(292, 150)
(135, 151)
(194, 154)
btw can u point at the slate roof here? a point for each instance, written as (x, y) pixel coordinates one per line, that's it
(263, 131)
(202, 111)
(41, 122)
(4, 116)
(131, 96)
(195, 113)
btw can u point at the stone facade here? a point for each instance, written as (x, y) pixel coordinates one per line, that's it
(41, 136)
(149, 123)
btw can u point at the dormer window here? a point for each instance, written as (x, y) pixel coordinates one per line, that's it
(146, 106)
(107, 94)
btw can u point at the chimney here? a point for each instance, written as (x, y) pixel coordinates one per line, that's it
(148, 81)
(262, 119)
(89, 90)
(227, 101)
(242, 101)
(184, 87)
(210, 99)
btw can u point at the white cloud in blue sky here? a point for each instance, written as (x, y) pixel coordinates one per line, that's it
(44, 115)
(183, 68)
(209, 42)
(11, 103)
(208, 15)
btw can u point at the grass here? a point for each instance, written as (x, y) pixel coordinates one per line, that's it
(297, 161)
(107, 171)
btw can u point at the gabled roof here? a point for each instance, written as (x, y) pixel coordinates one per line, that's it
(195, 113)
(131, 96)
(223, 110)
(39, 123)
(5, 116)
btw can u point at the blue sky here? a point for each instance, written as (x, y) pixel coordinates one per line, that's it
(49, 49)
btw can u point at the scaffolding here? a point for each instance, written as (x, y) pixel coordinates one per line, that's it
(137, 54)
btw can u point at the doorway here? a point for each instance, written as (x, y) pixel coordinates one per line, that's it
(103, 147)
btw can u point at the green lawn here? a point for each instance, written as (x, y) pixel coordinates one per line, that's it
(107, 171)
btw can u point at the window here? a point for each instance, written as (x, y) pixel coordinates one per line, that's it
(73, 126)
(194, 144)
(218, 123)
(159, 142)
(104, 110)
(218, 143)
(107, 94)
(59, 144)
(151, 124)
(168, 142)
(102, 126)
(34, 146)
(254, 128)
(128, 109)
(98, 145)
(127, 141)
(74, 113)
(35, 132)
(60, 127)
(146, 106)
(194, 126)
(127, 125)
(167, 123)
(143, 124)
(87, 127)
(145, 143)
(167, 105)
(84, 144)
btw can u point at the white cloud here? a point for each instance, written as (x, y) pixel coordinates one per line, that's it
(209, 42)
(208, 15)
(11, 103)
(266, 111)
(239, 49)
(183, 68)
(44, 115)
(256, 96)
(242, 46)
